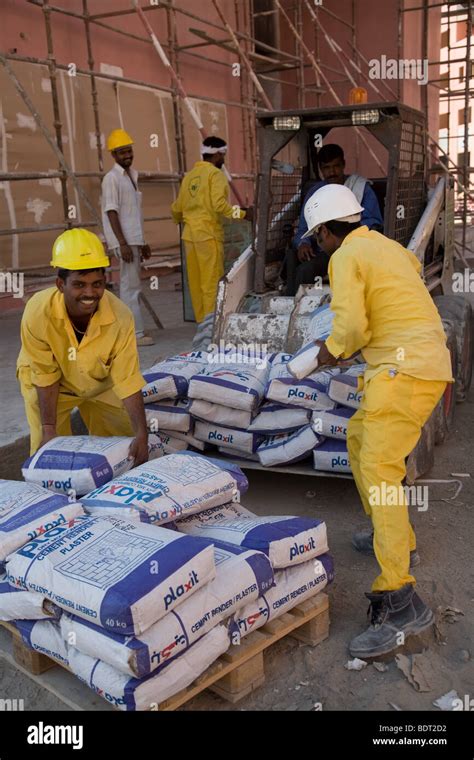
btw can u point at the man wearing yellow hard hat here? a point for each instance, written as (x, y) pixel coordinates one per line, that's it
(122, 220)
(382, 308)
(200, 205)
(78, 349)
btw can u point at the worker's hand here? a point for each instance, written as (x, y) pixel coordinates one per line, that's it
(325, 358)
(146, 251)
(305, 252)
(126, 253)
(138, 450)
(49, 432)
(249, 214)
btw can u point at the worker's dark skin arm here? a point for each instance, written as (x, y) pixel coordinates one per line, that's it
(125, 250)
(325, 359)
(48, 403)
(136, 411)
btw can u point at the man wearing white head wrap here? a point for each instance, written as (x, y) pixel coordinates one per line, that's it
(203, 199)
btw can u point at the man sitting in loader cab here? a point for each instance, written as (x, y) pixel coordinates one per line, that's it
(311, 261)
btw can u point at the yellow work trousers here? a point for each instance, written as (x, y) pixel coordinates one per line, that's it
(380, 435)
(102, 415)
(205, 265)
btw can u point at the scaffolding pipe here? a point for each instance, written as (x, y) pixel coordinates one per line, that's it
(95, 101)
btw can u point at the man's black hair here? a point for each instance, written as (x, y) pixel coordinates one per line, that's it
(329, 152)
(63, 274)
(341, 229)
(212, 142)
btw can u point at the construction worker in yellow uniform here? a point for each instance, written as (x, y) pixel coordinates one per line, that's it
(201, 203)
(78, 349)
(382, 308)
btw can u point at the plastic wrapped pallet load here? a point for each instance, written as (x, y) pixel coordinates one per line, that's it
(331, 456)
(237, 382)
(170, 414)
(17, 604)
(27, 511)
(332, 423)
(241, 576)
(220, 415)
(287, 448)
(344, 388)
(160, 491)
(147, 693)
(74, 465)
(120, 575)
(170, 378)
(286, 540)
(292, 586)
(227, 437)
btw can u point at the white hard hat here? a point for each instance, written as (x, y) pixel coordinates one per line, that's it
(331, 203)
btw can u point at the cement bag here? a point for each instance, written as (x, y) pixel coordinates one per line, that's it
(285, 540)
(188, 438)
(305, 361)
(343, 389)
(227, 437)
(292, 586)
(332, 423)
(121, 575)
(45, 637)
(28, 510)
(331, 456)
(171, 414)
(310, 393)
(228, 451)
(241, 576)
(276, 418)
(159, 491)
(240, 385)
(146, 694)
(16, 604)
(75, 464)
(321, 322)
(171, 444)
(288, 447)
(220, 415)
(170, 378)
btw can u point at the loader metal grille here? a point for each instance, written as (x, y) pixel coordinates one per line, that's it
(410, 200)
(285, 205)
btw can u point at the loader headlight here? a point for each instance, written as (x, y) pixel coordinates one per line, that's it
(286, 122)
(370, 116)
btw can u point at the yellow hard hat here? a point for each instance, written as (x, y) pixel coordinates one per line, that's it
(118, 138)
(79, 249)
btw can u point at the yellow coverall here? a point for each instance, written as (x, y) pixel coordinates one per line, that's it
(94, 375)
(202, 200)
(382, 308)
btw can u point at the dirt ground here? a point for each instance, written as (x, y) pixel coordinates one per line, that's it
(298, 676)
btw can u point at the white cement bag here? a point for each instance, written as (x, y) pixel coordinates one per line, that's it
(332, 423)
(228, 451)
(343, 389)
(292, 586)
(309, 393)
(121, 575)
(28, 510)
(45, 637)
(275, 418)
(146, 694)
(240, 385)
(171, 444)
(288, 447)
(17, 604)
(331, 456)
(170, 378)
(75, 464)
(159, 491)
(170, 414)
(188, 438)
(285, 540)
(241, 576)
(227, 437)
(220, 415)
(305, 361)
(321, 322)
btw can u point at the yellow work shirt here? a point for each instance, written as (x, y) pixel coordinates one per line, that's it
(106, 358)
(203, 198)
(382, 308)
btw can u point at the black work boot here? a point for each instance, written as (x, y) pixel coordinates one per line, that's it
(363, 541)
(392, 613)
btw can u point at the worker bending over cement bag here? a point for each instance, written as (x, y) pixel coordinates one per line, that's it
(17, 604)
(292, 586)
(288, 447)
(74, 465)
(286, 540)
(120, 575)
(164, 489)
(147, 693)
(241, 576)
(170, 378)
(27, 511)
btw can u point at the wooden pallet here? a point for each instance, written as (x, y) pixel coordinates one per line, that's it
(239, 671)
